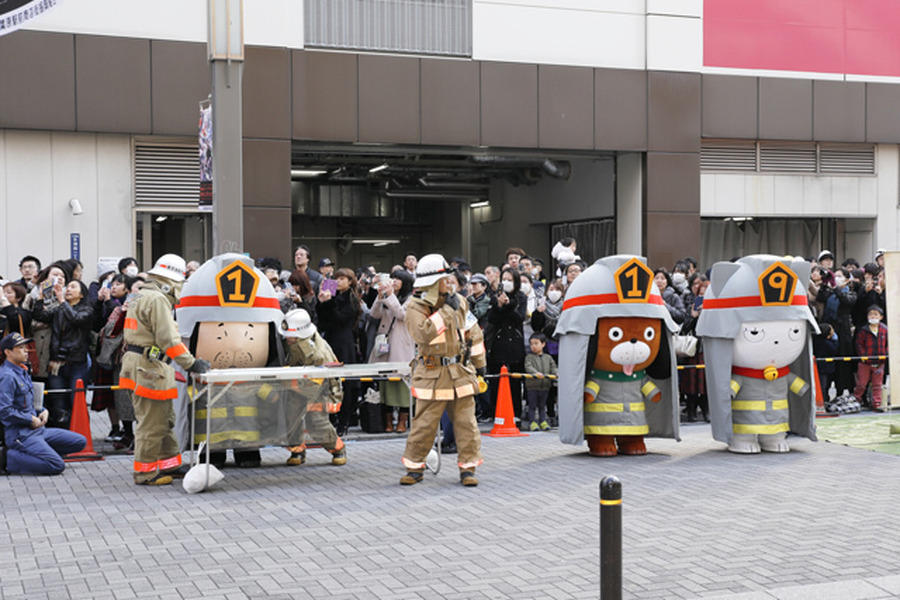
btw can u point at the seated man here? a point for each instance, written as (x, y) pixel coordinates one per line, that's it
(31, 448)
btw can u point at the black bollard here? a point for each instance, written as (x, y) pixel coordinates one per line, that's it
(610, 538)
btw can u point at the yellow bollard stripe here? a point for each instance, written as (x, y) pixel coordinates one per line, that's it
(610, 502)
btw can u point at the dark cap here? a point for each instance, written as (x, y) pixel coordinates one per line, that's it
(13, 340)
(479, 278)
(874, 307)
(325, 262)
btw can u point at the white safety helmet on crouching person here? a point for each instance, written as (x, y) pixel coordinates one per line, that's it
(169, 266)
(297, 324)
(431, 269)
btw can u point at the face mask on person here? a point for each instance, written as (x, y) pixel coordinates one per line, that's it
(839, 280)
(508, 286)
(874, 321)
(678, 278)
(525, 288)
(131, 271)
(554, 296)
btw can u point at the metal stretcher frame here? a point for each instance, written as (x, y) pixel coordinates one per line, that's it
(228, 377)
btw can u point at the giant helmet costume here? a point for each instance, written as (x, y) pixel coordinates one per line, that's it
(615, 352)
(230, 312)
(757, 330)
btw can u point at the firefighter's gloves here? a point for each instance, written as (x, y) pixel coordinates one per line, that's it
(199, 366)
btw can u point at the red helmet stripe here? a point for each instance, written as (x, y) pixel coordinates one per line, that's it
(605, 299)
(746, 302)
(187, 301)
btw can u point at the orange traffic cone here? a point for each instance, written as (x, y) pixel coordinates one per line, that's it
(505, 418)
(820, 399)
(81, 423)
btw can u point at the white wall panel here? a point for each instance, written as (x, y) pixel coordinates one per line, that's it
(41, 172)
(887, 230)
(543, 32)
(674, 43)
(28, 226)
(266, 22)
(763, 195)
(681, 8)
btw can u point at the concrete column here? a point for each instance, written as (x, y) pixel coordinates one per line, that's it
(629, 203)
(228, 223)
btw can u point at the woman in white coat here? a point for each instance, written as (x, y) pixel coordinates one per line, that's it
(393, 344)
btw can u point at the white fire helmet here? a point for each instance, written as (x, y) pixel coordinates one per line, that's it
(431, 269)
(297, 324)
(170, 266)
(227, 288)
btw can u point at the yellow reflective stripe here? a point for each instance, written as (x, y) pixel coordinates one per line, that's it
(465, 390)
(748, 405)
(478, 349)
(245, 411)
(225, 436)
(438, 321)
(756, 429)
(217, 413)
(317, 381)
(444, 394)
(613, 407)
(759, 405)
(592, 387)
(610, 502)
(797, 385)
(617, 429)
(735, 387)
(648, 389)
(422, 393)
(264, 391)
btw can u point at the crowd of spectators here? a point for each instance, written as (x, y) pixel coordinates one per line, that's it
(77, 329)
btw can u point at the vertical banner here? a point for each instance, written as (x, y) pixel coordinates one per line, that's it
(15, 13)
(892, 307)
(206, 157)
(75, 246)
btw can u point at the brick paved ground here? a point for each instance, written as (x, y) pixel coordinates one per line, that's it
(698, 522)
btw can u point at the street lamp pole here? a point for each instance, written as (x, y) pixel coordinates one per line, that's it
(226, 59)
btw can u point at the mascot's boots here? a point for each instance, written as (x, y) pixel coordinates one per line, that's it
(632, 445)
(743, 443)
(339, 457)
(412, 478)
(775, 442)
(601, 445)
(467, 477)
(297, 458)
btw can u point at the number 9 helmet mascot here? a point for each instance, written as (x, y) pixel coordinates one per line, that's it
(230, 313)
(617, 369)
(757, 331)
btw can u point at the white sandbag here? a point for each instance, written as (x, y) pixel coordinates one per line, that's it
(195, 480)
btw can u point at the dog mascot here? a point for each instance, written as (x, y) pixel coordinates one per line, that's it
(617, 368)
(757, 335)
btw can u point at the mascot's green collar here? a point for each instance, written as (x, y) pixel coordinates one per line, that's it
(615, 375)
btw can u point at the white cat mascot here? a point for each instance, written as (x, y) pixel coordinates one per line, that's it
(757, 338)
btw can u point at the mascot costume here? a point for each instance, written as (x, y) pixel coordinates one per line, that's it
(617, 369)
(757, 331)
(230, 313)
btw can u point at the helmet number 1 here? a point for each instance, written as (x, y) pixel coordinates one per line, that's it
(236, 295)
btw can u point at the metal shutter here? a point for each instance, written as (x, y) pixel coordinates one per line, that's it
(166, 175)
(442, 27)
(797, 158)
(728, 155)
(857, 159)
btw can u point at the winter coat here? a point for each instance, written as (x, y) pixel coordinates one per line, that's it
(337, 323)
(675, 305)
(392, 322)
(71, 327)
(505, 337)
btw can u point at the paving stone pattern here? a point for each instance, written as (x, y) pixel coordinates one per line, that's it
(698, 522)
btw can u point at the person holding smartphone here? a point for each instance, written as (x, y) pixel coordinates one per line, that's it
(692, 381)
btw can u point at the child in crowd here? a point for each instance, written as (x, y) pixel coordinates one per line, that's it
(871, 340)
(540, 365)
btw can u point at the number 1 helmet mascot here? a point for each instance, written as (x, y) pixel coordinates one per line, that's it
(230, 313)
(757, 331)
(617, 369)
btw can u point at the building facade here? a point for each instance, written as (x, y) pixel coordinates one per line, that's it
(661, 127)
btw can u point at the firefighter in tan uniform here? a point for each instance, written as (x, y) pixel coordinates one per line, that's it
(152, 342)
(450, 347)
(306, 348)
